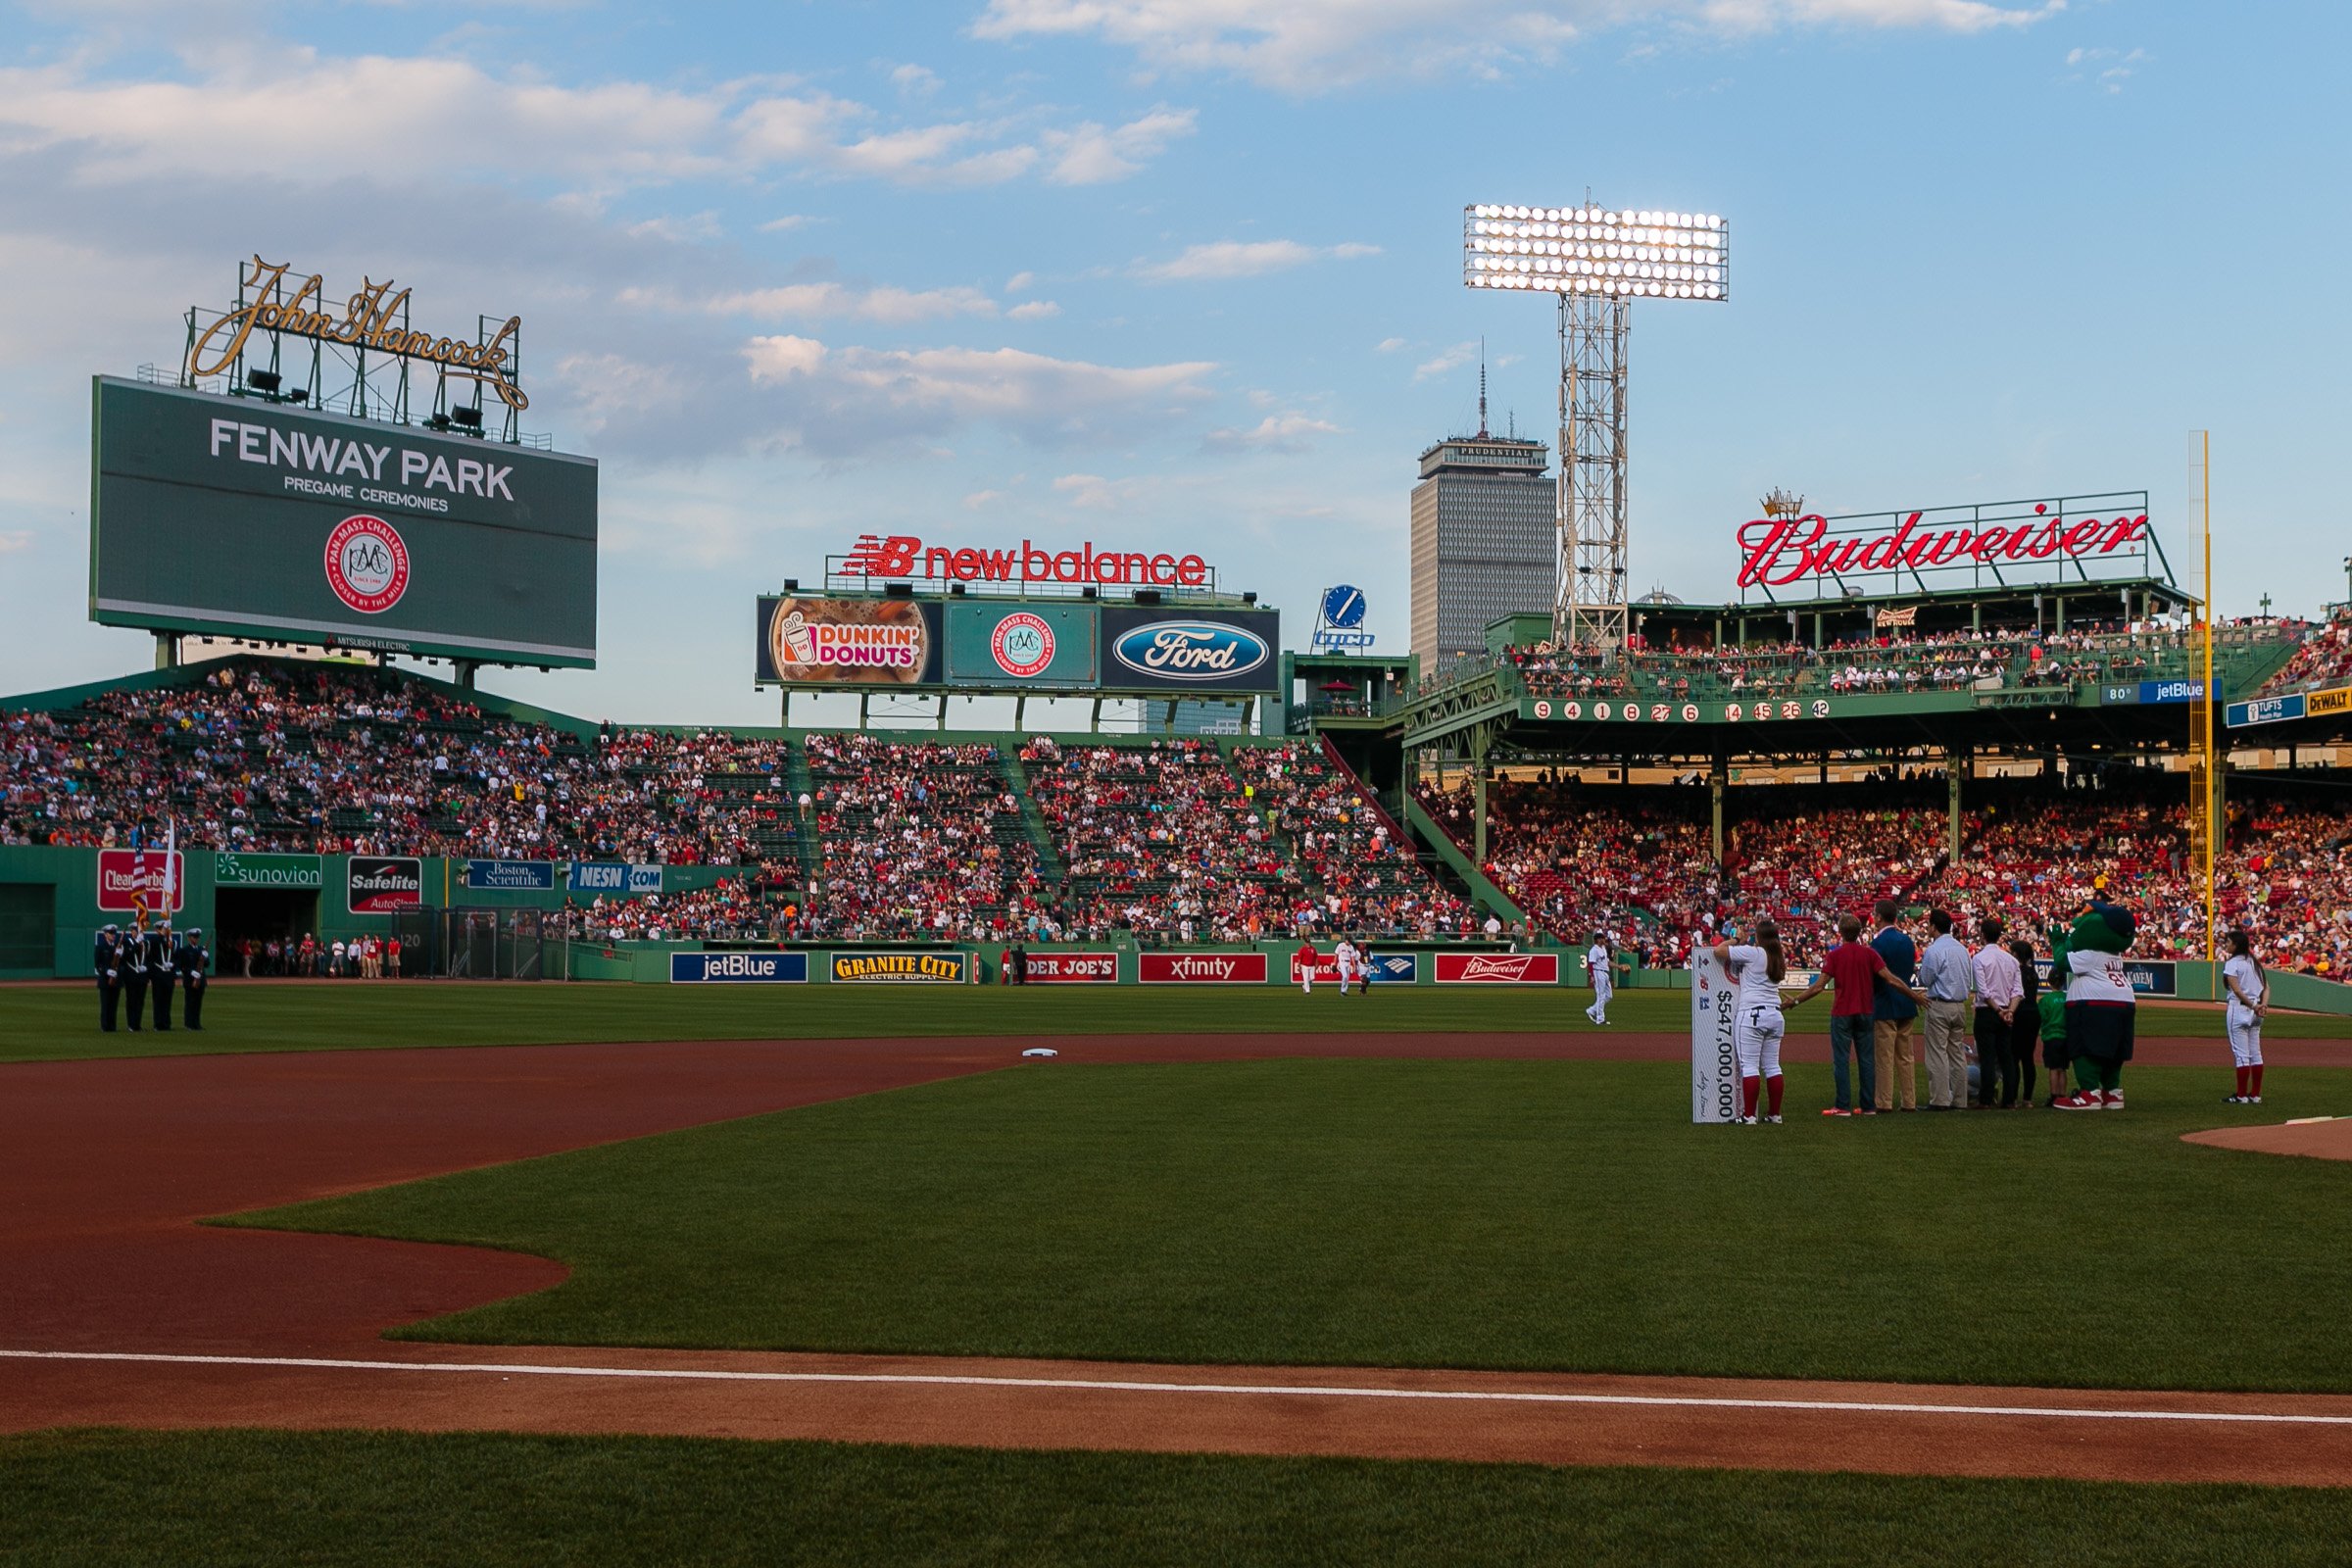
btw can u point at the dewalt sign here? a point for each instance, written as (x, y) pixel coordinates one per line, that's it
(900, 969)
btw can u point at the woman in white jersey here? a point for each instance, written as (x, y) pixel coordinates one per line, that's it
(1757, 968)
(2249, 999)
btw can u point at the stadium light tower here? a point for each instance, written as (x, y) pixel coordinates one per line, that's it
(1595, 261)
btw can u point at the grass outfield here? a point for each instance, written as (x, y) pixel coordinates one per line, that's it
(53, 1025)
(266, 1498)
(1514, 1214)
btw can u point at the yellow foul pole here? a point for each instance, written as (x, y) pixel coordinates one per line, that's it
(2204, 765)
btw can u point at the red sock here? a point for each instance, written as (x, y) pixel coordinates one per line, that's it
(2242, 1074)
(2256, 1070)
(1772, 1086)
(1747, 1097)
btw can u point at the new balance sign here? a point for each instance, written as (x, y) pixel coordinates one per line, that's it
(1201, 969)
(1498, 968)
(738, 968)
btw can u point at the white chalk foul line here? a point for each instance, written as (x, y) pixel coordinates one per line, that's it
(1340, 1391)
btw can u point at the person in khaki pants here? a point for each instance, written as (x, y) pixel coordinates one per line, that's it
(1946, 975)
(1896, 1013)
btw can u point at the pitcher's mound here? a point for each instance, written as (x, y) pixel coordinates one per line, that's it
(2329, 1138)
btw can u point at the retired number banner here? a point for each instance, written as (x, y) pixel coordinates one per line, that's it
(1714, 1060)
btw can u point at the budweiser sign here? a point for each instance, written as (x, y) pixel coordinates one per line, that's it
(1201, 969)
(905, 555)
(1498, 968)
(1777, 551)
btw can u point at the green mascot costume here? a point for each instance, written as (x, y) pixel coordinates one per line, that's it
(2100, 1004)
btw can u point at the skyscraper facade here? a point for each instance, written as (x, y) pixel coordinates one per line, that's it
(1485, 542)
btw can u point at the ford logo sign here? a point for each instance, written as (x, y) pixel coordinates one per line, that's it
(1191, 651)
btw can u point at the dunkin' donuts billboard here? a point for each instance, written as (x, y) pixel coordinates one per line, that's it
(1201, 969)
(847, 642)
(1498, 968)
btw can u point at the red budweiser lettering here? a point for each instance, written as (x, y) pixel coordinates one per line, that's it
(1201, 969)
(901, 555)
(1777, 551)
(1498, 968)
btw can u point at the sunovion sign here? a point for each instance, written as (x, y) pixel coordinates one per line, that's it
(1222, 650)
(2001, 542)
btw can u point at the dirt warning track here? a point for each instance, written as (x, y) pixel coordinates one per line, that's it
(117, 1308)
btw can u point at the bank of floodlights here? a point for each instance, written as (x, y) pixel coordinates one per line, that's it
(1596, 252)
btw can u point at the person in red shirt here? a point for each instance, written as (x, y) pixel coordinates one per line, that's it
(1853, 966)
(1304, 961)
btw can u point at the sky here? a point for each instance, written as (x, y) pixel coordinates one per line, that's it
(1186, 274)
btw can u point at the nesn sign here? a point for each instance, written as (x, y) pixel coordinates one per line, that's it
(739, 968)
(1190, 650)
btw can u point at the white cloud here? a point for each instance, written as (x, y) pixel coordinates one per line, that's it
(1276, 432)
(871, 395)
(915, 81)
(978, 500)
(897, 307)
(15, 539)
(1019, 281)
(298, 115)
(1089, 155)
(1226, 259)
(1304, 46)
(1448, 359)
(1033, 310)
(1090, 491)
(1388, 345)
(788, 222)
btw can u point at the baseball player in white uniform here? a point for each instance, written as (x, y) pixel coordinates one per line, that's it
(1758, 968)
(2249, 999)
(1349, 962)
(1598, 966)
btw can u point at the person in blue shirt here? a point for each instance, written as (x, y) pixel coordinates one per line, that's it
(1896, 1014)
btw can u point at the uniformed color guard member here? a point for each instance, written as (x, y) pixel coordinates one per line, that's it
(134, 976)
(159, 952)
(106, 961)
(192, 961)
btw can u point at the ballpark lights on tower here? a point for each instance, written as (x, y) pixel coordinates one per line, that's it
(1595, 261)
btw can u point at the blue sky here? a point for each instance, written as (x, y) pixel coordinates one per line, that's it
(1185, 273)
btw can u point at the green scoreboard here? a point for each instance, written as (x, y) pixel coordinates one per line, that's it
(241, 518)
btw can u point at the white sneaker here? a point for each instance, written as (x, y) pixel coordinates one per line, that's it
(2236, 1100)
(1774, 1120)
(2253, 1099)
(1745, 1121)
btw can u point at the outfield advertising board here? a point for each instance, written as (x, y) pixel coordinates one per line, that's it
(1714, 1056)
(1387, 968)
(1497, 968)
(518, 876)
(945, 968)
(297, 872)
(738, 968)
(1201, 968)
(2150, 977)
(1071, 969)
(815, 641)
(1022, 644)
(614, 877)
(130, 880)
(2264, 710)
(242, 517)
(383, 884)
(1189, 650)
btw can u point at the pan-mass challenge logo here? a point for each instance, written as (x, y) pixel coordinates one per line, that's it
(1022, 644)
(367, 564)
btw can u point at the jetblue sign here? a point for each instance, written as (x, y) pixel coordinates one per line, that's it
(1213, 651)
(738, 968)
(2151, 692)
(611, 876)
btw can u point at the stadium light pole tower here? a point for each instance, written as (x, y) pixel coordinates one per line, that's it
(1594, 262)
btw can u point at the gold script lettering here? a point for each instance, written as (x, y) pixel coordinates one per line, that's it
(369, 320)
